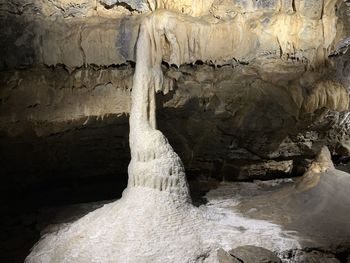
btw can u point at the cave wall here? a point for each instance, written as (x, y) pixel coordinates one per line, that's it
(66, 72)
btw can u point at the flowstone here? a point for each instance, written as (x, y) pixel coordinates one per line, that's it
(155, 221)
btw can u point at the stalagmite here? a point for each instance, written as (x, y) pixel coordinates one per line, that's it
(153, 163)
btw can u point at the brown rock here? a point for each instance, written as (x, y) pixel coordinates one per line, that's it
(253, 254)
(321, 164)
(343, 149)
(225, 257)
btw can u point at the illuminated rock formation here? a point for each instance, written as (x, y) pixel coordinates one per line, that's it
(153, 163)
(154, 221)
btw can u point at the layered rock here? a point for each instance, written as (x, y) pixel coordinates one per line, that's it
(256, 111)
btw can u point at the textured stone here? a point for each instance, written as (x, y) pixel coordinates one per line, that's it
(225, 257)
(139, 5)
(250, 170)
(343, 149)
(253, 254)
(68, 9)
(321, 164)
(215, 118)
(56, 31)
(72, 43)
(326, 94)
(43, 97)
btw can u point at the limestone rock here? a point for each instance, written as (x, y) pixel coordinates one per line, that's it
(321, 164)
(54, 9)
(263, 169)
(219, 120)
(56, 26)
(81, 95)
(225, 257)
(253, 254)
(139, 5)
(326, 94)
(343, 148)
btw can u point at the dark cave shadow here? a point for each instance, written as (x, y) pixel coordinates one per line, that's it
(82, 164)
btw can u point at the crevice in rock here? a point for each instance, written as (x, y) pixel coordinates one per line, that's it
(80, 41)
(113, 3)
(240, 260)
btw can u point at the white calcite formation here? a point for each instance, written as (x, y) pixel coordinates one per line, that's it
(154, 221)
(153, 163)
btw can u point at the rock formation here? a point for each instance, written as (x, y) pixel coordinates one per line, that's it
(154, 221)
(153, 163)
(264, 93)
(320, 165)
(156, 174)
(314, 205)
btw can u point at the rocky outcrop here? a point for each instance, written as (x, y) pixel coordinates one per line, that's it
(75, 33)
(72, 43)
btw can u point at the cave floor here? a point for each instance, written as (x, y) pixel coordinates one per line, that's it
(260, 213)
(319, 217)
